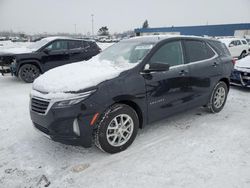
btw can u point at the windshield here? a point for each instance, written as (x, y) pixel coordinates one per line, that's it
(126, 52)
(37, 45)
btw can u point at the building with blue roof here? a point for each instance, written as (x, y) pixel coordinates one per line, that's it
(239, 29)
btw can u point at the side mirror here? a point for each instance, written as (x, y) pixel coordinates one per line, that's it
(46, 51)
(231, 45)
(156, 67)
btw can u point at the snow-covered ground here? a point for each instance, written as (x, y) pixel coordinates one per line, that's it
(192, 149)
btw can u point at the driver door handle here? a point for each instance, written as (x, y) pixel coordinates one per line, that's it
(183, 72)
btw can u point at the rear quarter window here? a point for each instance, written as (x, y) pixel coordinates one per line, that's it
(220, 48)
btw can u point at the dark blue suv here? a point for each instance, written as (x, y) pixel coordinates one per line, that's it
(130, 84)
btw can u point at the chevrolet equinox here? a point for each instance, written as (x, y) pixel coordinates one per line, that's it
(130, 84)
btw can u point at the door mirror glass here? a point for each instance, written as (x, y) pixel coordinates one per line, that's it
(231, 45)
(156, 67)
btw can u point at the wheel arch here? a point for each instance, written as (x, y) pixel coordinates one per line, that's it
(135, 107)
(32, 62)
(226, 81)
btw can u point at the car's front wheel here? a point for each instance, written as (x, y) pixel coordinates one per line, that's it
(28, 73)
(117, 129)
(218, 97)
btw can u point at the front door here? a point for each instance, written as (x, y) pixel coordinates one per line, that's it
(56, 54)
(167, 92)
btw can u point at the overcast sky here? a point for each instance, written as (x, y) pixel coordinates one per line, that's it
(34, 16)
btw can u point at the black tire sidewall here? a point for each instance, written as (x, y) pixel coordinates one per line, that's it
(213, 108)
(21, 70)
(102, 139)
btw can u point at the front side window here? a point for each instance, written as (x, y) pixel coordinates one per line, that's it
(58, 45)
(198, 51)
(170, 53)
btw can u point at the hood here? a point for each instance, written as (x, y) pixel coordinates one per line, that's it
(17, 50)
(79, 76)
(243, 64)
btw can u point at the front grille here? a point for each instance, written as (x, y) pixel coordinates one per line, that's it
(39, 105)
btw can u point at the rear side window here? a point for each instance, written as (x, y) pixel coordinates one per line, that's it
(75, 44)
(170, 53)
(198, 51)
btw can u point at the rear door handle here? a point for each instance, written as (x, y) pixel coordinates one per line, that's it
(183, 72)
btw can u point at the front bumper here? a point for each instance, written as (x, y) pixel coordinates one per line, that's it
(240, 78)
(57, 123)
(9, 69)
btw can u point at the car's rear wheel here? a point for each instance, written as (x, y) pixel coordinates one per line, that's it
(218, 97)
(117, 129)
(28, 73)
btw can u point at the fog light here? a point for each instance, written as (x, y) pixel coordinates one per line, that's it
(76, 127)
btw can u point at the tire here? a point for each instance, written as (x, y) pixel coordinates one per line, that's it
(242, 55)
(28, 73)
(218, 97)
(108, 138)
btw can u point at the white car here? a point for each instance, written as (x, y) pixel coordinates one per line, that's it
(238, 47)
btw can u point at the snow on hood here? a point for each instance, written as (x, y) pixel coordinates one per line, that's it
(78, 76)
(243, 64)
(17, 50)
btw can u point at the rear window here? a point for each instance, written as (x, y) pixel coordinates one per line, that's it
(198, 51)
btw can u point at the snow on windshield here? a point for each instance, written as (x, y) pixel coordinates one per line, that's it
(126, 52)
(37, 45)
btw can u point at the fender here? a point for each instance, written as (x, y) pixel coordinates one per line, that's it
(30, 61)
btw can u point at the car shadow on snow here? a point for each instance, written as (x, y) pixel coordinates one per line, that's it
(11, 80)
(244, 89)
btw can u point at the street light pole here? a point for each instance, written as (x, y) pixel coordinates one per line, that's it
(92, 20)
(75, 28)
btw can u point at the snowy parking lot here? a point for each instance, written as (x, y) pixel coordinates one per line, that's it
(192, 149)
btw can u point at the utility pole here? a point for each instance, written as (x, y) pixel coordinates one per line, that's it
(75, 28)
(92, 20)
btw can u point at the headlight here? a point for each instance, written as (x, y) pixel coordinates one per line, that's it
(73, 101)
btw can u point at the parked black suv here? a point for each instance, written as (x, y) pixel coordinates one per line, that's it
(150, 78)
(47, 53)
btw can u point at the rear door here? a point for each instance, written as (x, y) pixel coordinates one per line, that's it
(167, 92)
(91, 49)
(77, 51)
(204, 67)
(55, 54)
